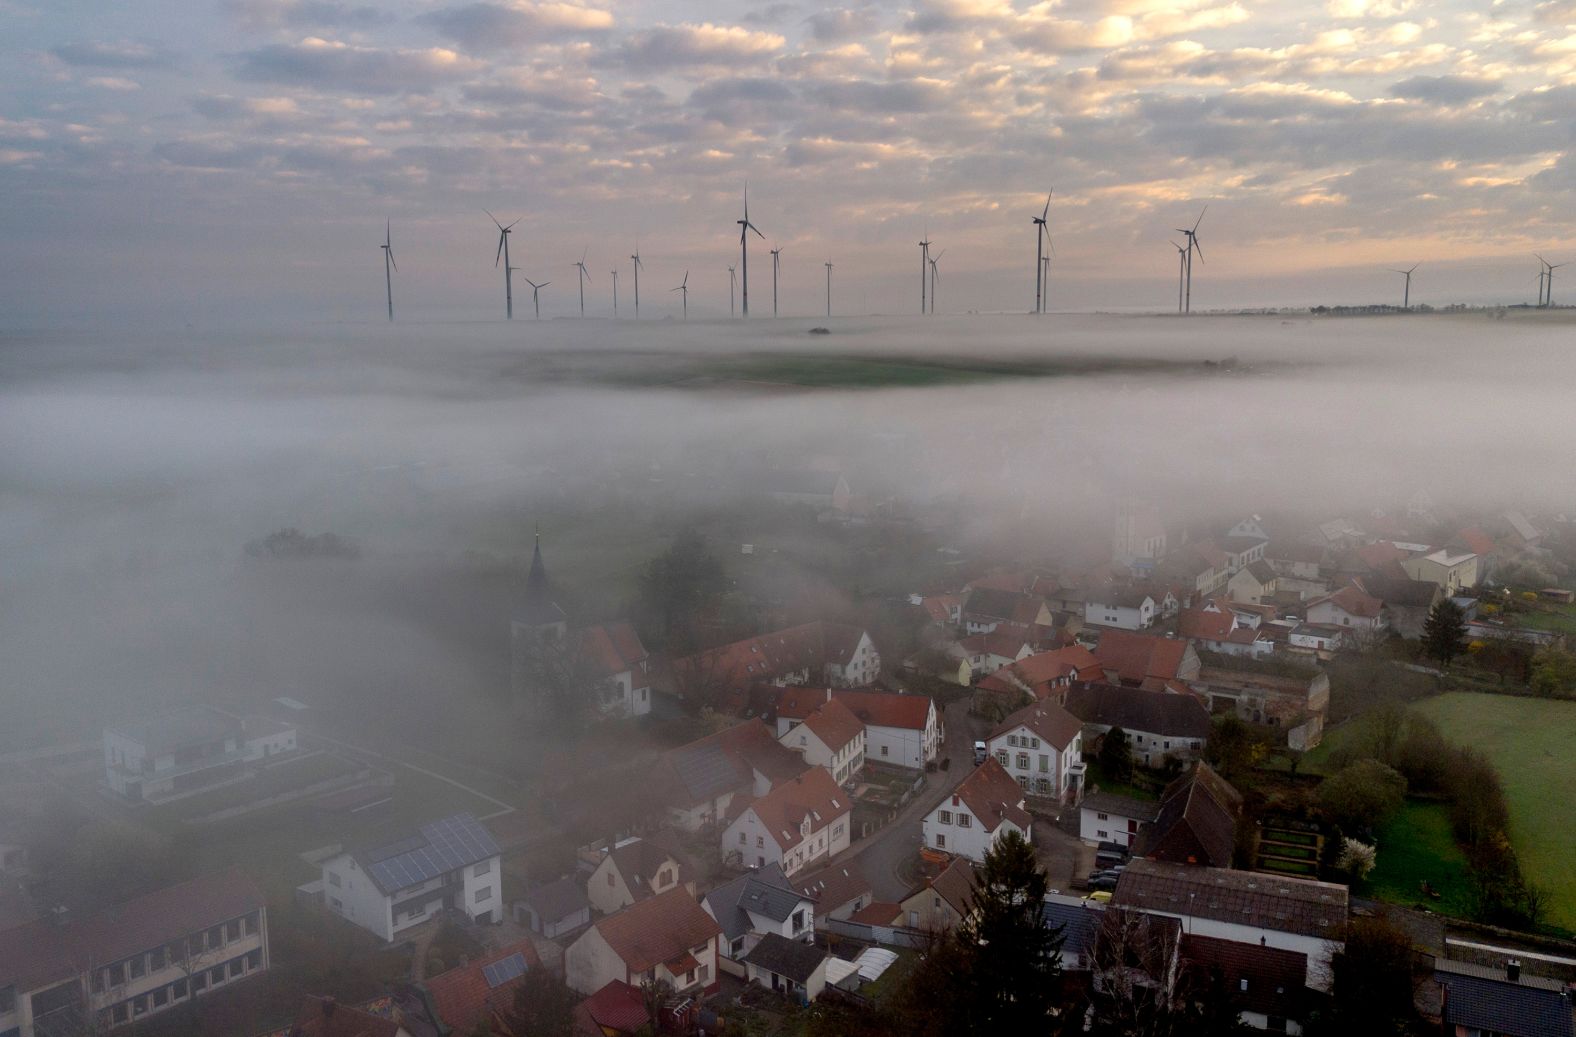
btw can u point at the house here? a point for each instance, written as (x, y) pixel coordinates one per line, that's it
(1158, 724)
(1040, 674)
(1126, 608)
(756, 904)
(133, 960)
(1519, 533)
(1001, 646)
(795, 969)
(798, 823)
(943, 902)
(1196, 822)
(820, 653)
(616, 1010)
(1245, 907)
(1350, 607)
(1283, 698)
(986, 608)
(186, 751)
(945, 609)
(1266, 984)
(326, 1017)
(901, 730)
(1041, 747)
(838, 891)
(1453, 570)
(699, 781)
(612, 657)
(983, 808)
(478, 996)
(666, 938)
(1254, 583)
(451, 864)
(635, 869)
(1079, 921)
(1217, 627)
(1200, 568)
(1323, 641)
(1104, 817)
(821, 490)
(1479, 542)
(1476, 999)
(555, 908)
(1143, 660)
(1241, 551)
(830, 737)
(1294, 559)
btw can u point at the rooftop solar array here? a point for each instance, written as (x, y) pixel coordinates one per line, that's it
(504, 969)
(443, 846)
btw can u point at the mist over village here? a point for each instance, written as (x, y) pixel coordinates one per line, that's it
(748, 606)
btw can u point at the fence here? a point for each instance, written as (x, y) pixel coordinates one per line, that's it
(886, 935)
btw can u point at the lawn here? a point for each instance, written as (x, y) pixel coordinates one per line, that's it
(1417, 845)
(1094, 777)
(1531, 742)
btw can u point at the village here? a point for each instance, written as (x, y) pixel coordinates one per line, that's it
(1195, 727)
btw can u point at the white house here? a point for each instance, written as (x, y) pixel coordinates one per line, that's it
(1041, 747)
(1246, 907)
(666, 938)
(900, 730)
(984, 807)
(176, 754)
(1125, 608)
(1316, 637)
(830, 737)
(1453, 570)
(800, 822)
(632, 870)
(1003, 646)
(794, 969)
(452, 864)
(1349, 607)
(614, 657)
(1104, 817)
(1254, 584)
(756, 904)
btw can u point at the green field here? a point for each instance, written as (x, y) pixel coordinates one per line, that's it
(1417, 845)
(1533, 744)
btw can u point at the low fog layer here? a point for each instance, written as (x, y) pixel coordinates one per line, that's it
(137, 469)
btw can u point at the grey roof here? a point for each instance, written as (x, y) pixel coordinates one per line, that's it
(1122, 806)
(1401, 593)
(1247, 898)
(195, 726)
(1079, 920)
(443, 846)
(765, 892)
(557, 900)
(1121, 597)
(1137, 709)
(707, 769)
(1482, 999)
(784, 957)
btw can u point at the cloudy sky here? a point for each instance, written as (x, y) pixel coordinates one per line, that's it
(184, 159)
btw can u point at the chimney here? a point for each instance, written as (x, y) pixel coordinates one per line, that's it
(1513, 970)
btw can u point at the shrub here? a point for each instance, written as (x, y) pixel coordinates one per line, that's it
(1357, 858)
(1363, 795)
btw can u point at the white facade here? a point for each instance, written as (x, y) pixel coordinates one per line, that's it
(591, 963)
(1104, 826)
(1123, 617)
(862, 668)
(1330, 613)
(904, 746)
(348, 891)
(1037, 766)
(275, 740)
(1318, 950)
(841, 763)
(955, 830)
(758, 846)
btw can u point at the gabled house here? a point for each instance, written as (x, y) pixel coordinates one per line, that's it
(555, 908)
(1407, 602)
(478, 996)
(1145, 661)
(792, 968)
(1265, 984)
(1138, 537)
(986, 608)
(1041, 747)
(666, 938)
(900, 729)
(1478, 541)
(754, 905)
(821, 490)
(1200, 568)
(1216, 627)
(1196, 822)
(1241, 551)
(1350, 607)
(1454, 571)
(614, 659)
(1317, 639)
(982, 809)
(798, 823)
(1158, 724)
(616, 1010)
(1104, 817)
(1254, 583)
(635, 869)
(838, 890)
(1295, 703)
(1295, 559)
(943, 902)
(830, 737)
(1501, 1002)
(1126, 608)
(818, 653)
(1001, 646)
(700, 781)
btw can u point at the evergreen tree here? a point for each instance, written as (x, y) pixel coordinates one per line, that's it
(1017, 955)
(1116, 758)
(1445, 631)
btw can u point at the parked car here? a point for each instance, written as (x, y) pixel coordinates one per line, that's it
(979, 753)
(1101, 883)
(1100, 896)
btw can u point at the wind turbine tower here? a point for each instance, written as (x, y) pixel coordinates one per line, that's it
(1040, 232)
(536, 298)
(828, 287)
(1406, 293)
(585, 275)
(614, 274)
(933, 278)
(637, 265)
(1181, 272)
(777, 255)
(684, 288)
(503, 256)
(733, 283)
(745, 226)
(924, 261)
(1192, 247)
(388, 263)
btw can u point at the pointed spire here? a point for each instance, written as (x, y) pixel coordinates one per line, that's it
(536, 580)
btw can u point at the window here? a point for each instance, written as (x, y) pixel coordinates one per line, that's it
(237, 965)
(117, 974)
(1102, 817)
(156, 959)
(689, 977)
(837, 832)
(484, 868)
(945, 817)
(336, 904)
(665, 876)
(232, 930)
(1045, 763)
(119, 1013)
(485, 893)
(611, 880)
(759, 842)
(216, 936)
(883, 750)
(1001, 757)
(137, 966)
(941, 841)
(964, 821)
(741, 843)
(178, 989)
(254, 959)
(704, 972)
(216, 974)
(1034, 743)
(736, 948)
(1023, 782)
(161, 997)
(199, 983)
(1100, 833)
(1023, 761)
(98, 984)
(250, 923)
(7, 999)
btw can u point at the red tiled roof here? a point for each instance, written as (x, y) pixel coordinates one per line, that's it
(810, 646)
(1267, 980)
(887, 709)
(462, 997)
(325, 1017)
(618, 1007)
(1048, 720)
(1476, 541)
(612, 649)
(796, 703)
(812, 794)
(878, 913)
(1006, 641)
(1352, 599)
(833, 886)
(835, 725)
(1136, 657)
(992, 796)
(650, 932)
(1072, 661)
(1205, 626)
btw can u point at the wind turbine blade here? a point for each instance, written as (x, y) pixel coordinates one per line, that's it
(1199, 248)
(686, 277)
(1200, 216)
(512, 224)
(1414, 267)
(757, 231)
(499, 256)
(490, 216)
(391, 260)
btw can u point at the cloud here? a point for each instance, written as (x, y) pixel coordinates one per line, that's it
(118, 84)
(332, 65)
(224, 106)
(689, 46)
(122, 54)
(261, 15)
(1368, 8)
(492, 26)
(836, 24)
(1444, 90)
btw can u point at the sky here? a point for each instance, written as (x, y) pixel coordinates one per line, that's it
(179, 161)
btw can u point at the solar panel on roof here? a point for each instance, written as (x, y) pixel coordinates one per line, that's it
(505, 969)
(443, 846)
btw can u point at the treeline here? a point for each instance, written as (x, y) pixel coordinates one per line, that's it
(1478, 808)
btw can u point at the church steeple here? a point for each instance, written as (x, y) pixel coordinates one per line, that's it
(539, 608)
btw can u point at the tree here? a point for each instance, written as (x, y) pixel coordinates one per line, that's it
(1371, 982)
(1362, 795)
(1017, 954)
(1116, 758)
(1553, 672)
(544, 1006)
(1445, 631)
(1357, 858)
(1233, 749)
(679, 585)
(656, 995)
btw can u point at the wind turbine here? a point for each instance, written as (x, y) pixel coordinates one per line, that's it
(1045, 279)
(1040, 232)
(1546, 281)
(585, 275)
(777, 254)
(536, 299)
(733, 282)
(614, 273)
(685, 289)
(924, 261)
(388, 262)
(745, 226)
(1181, 272)
(1406, 293)
(1192, 246)
(828, 287)
(503, 255)
(933, 277)
(637, 264)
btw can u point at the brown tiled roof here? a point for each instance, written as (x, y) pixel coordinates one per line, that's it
(887, 709)
(1005, 641)
(767, 657)
(992, 796)
(1051, 722)
(877, 912)
(1196, 823)
(1267, 980)
(659, 929)
(612, 649)
(325, 1017)
(796, 703)
(835, 725)
(1476, 540)
(812, 794)
(1275, 902)
(1003, 605)
(1205, 625)
(639, 861)
(1136, 657)
(462, 997)
(955, 884)
(617, 1007)
(833, 886)
(1352, 599)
